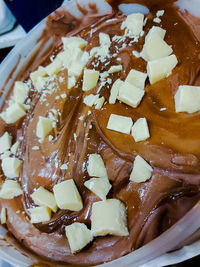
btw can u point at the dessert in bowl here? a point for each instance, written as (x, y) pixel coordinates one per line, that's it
(99, 137)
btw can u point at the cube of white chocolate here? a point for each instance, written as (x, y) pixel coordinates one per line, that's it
(90, 78)
(99, 102)
(14, 148)
(130, 95)
(136, 78)
(156, 30)
(73, 42)
(141, 171)
(95, 166)
(10, 189)
(11, 167)
(134, 23)
(5, 142)
(155, 47)
(13, 113)
(79, 59)
(44, 127)
(115, 68)
(6, 154)
(43, 197)
(120, 124)
(67, 196)
(114, 91)
(36, 76)
(109, 217)
(3, 215)
(40, 84)
(54, 67)
(40, 214)
(187, 99)
(160, 68)
(104, 39)
(99, 186)
(78, 236)
(90, 100)
(140, 130)
(71, 82)
(160, 13)
(20, 92)
(157, 20)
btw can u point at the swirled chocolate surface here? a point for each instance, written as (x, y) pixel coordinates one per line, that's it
(173, 150)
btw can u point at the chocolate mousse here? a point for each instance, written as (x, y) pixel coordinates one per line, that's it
(100, 137)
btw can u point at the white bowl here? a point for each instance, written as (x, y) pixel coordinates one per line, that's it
(178, 233)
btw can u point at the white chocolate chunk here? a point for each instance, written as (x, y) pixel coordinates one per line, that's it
(78, 62)
(37, 77)
(109, 217)
(104, 75)
(71, 82)
(43, 197)
(115, 68)
(104, 39)
(13, 113)
(103, 50)
(157, 20)
(10, 189)
(99, 186)
(134, 23)
(41, 82)
(40, 214)
(44, 127)
(187, 99)
(136, 54)
(78, 236)
(5, 142)
(99, 102)
(20, 92)
(160, 68)
(73, 42)
(54, 67)
(11, 167)
(64, 166)
(90, 100)
(160, 13)
(67, 57)
(120, 124)
(130, 95)
(140, 130)
(90, 78)
(14, 148)
(6, 154)
(136, 78)
(96, 166)
(156, 30)
(67, 196)
(26, 107)
(114, 91)
(155, 47)
(141, 170)
(3, 216)
(75, 69)
(74, 59)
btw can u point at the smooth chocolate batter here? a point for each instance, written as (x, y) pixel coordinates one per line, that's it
(173, 150)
